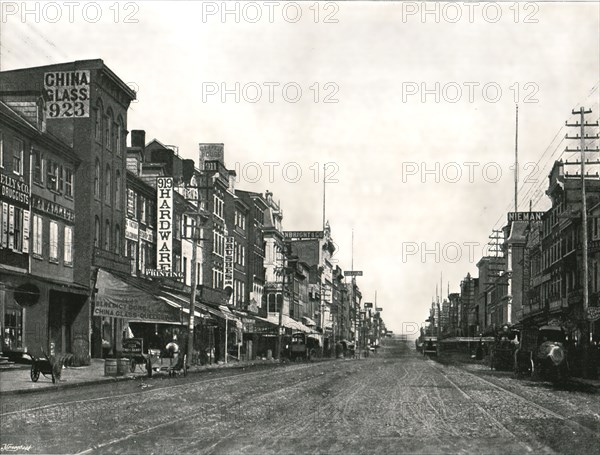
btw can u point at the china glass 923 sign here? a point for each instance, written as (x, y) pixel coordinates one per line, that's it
(68, 94)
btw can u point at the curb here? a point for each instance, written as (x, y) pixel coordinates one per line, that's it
(112, 379)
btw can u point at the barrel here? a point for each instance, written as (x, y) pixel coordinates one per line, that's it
(123, 366)
(110, 367)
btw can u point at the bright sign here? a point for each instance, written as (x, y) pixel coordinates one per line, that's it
(525, 216)
(68, 94)
(164, 222)
(303, 234)
(353, 273)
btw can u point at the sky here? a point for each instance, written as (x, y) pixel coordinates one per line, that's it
(410, 106)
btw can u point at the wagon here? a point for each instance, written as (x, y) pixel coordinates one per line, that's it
(166, 361)
(43, 366)
(503, 349)
(305, 346)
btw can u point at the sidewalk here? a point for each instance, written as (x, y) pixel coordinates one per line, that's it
(17, 380)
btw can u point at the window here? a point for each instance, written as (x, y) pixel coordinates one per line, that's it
(177, 226)
(68, 246)
(53, 241)
(97, 179)
(97, 233)
(38, 233)
(37, 166)
(107, 187)
(217, 278)
(117, 239)
(107, 131)
(119, 139)
(107, 235)
(118, 190)
(142, 209)
(113, 136)
(132, 254)
(98, 122)
(217, 206)
(68, 182)
(12, 338)
(1, 149)
(18, 157)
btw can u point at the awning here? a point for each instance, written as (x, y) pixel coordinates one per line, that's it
(309, 322)
(230, 316)
(121, 298)
(288, 323)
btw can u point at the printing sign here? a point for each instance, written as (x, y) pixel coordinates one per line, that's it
(68, 94)
(164, 204)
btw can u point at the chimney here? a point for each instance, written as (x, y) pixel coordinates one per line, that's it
(138, 138)
(188, 170)
(232, 176)
(268, 196)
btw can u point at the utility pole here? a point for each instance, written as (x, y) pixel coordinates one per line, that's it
(280, 327)
(582, 124)
(516, 157)
(199, 217)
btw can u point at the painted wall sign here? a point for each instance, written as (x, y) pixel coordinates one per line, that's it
(131, 230)
(14, 190)
(68, 94)
(52, 208)
(164, 222)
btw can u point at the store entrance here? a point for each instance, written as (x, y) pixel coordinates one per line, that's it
(63, 309)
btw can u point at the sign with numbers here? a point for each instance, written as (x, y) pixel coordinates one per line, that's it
(68, 94)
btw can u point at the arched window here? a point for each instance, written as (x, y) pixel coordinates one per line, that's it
(98, 111)
(118, 189)
(108, 129)
(107, 188)
(117, 239)
(97, 178)
(107, 236)
(97, 233)
(120, 135)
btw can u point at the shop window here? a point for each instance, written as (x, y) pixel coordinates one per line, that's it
(12, 338)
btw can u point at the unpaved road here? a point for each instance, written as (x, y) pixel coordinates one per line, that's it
(396, 402)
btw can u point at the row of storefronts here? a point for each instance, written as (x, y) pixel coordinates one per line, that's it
(102, 242)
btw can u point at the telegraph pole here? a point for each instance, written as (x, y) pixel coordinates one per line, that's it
(582, 124)
(516, 157)
(198, 216)
(280, 326)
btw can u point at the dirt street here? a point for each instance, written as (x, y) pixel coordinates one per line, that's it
(394, 402)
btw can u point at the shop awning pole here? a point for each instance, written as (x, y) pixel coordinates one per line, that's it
(226, 346)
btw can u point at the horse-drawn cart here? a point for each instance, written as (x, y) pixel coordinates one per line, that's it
(503, 349)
